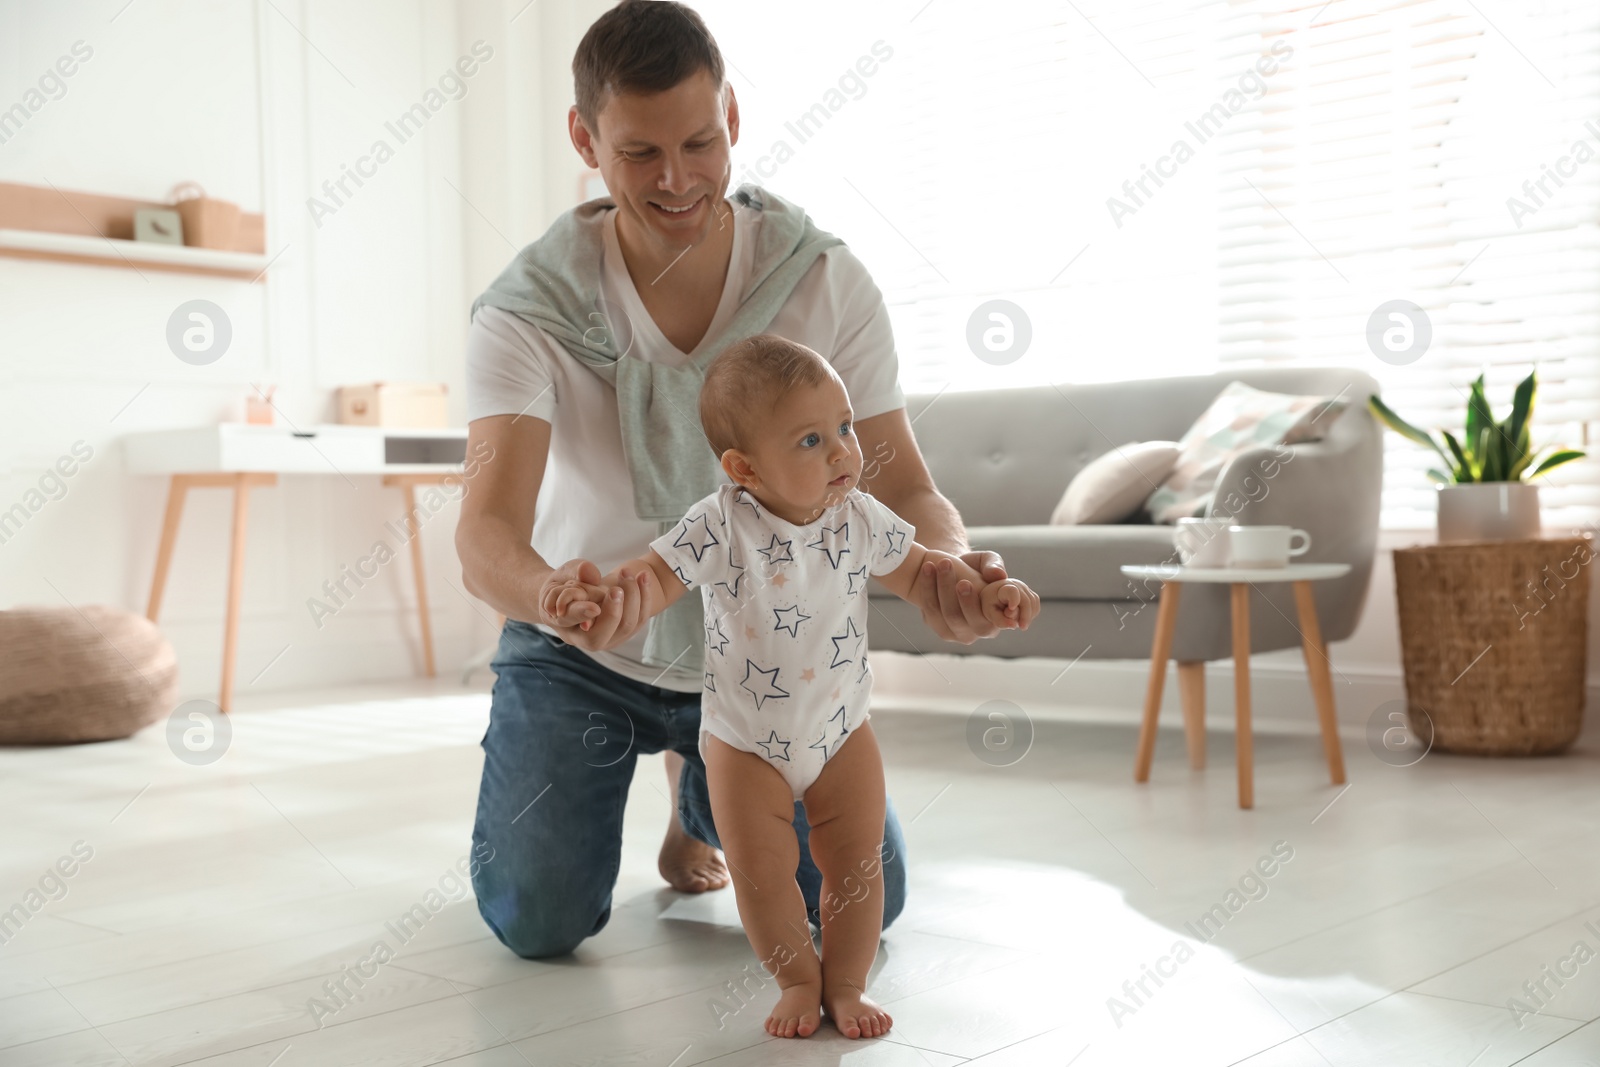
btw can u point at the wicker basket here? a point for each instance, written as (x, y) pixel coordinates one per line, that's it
(1494, 635)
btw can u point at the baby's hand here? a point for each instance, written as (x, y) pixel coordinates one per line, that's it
(652, 598)
(1002, 602)
(557, 597)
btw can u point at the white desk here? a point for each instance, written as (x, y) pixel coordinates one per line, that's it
(240, 456)
(1193, 686)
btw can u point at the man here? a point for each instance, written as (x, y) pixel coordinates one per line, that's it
(673, 264)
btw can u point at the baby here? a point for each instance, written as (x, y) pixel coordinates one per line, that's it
(782, 558)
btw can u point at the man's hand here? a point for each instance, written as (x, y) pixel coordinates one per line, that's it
(948, 590)
(589, 613)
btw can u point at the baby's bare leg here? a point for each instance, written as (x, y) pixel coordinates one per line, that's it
(845, 808)
(753, 808)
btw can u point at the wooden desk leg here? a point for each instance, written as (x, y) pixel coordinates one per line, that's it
(1244, 743)
(177, 489)
(1166, 617)
(230, 634)
(240, 483)
(415, 529)
(1192, 688)
(1317, 668)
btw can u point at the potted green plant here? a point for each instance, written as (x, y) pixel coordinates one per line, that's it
(1484, 493)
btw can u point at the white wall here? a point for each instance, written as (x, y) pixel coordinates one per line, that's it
(261, 103)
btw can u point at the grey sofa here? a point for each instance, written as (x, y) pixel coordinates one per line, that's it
(1004, 458)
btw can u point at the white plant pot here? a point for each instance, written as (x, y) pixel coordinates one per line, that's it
(1488, 511)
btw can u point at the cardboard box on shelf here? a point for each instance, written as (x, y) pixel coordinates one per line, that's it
(418, 405)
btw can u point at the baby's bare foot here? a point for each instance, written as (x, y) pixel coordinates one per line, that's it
(798, 1012)
(856, 1015)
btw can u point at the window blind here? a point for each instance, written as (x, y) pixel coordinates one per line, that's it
(978, 164)
(1400, 157)
(987, 156)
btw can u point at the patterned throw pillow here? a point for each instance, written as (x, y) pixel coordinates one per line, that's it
(1113, 487)
(1239, 419)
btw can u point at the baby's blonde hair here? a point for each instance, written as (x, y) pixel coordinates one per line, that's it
(747, 381)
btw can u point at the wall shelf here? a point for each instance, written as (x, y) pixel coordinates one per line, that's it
(47, 222)
(138, 255)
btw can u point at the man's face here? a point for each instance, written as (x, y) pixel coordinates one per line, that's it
(810, 446)
(665, 151)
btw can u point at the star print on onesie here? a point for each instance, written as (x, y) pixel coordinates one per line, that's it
(786, 673)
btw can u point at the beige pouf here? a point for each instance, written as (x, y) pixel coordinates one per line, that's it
(67, 677)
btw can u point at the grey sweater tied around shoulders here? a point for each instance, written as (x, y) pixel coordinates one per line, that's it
(555, 283)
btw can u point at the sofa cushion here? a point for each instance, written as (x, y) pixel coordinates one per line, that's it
(1074, 562)
(1239, 419)
(1112, 487)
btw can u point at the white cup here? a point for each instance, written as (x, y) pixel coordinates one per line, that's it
(1265, 546)
(1202, 542)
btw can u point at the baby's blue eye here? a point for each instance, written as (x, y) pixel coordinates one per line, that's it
(844, 428)
(808, 437)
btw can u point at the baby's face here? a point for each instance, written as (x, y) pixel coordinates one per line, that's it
(807, 458)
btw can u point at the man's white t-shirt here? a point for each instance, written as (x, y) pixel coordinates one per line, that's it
(585, 504)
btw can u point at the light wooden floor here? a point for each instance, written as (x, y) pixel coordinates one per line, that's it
(220, 899)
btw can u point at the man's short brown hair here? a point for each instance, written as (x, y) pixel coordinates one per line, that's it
(747, 382)
(644, 47)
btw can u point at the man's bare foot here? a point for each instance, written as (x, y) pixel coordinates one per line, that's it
(856, 1015)
(688, 865)
(798, 1012)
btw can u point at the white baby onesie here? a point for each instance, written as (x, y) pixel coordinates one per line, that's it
(786, 620)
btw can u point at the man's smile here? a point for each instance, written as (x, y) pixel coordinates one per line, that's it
(678, 211)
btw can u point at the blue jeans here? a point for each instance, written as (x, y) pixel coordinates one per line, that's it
(558, 758)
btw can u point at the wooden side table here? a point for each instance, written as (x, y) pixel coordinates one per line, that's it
(1316, 654)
